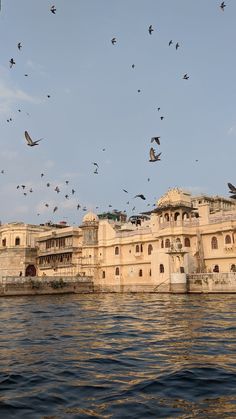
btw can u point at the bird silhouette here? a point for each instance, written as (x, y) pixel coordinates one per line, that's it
(232, 188)
(222, 5)
(133, 65)
(113, 41)
(12, 62)
(153, 156)
(125, 190)
(150, 29)
(73, 191)
(29, 140)
(170, 42)
(55, 209)
(95, 164)
(42, 175)
(157, 139)
(57, 189)
(177, 46)
(140, 196)
(19, 46)
(161, 118)
(185, 76)
(78, 206)
(53, 9)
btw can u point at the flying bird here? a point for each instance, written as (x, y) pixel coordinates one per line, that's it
(150, 29)
(232, 188)
(161, 118)
(186, 77)
(57, 189)
(170, 43)
(67, 181)
(157, 139)
(125, 190)
(223, 5)
(177, 46)
(42, 175)
(95, 164)
(19, 46)
(158, 109)
(53, 9)
(133, 65)
(73, 191)
(11, 62)
(153, 156)
(140, 196)
(55, 209)
(29, 140)
(78, 206)
(113, 41)
(48, 184)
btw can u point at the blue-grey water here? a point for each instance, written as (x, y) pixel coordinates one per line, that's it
(118, 356)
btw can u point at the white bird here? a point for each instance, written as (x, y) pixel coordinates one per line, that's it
(29, 140)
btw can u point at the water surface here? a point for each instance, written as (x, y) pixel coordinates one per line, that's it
(118, 356)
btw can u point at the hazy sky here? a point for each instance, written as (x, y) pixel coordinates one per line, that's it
(94, 103)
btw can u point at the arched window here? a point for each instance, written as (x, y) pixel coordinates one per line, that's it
(162, 270)
(117, 250)
(17, 241)
(103, 274)
(117, 272)
(216, 268)
(162, 244)
(166, 217)
(214, 243)
(137, 248)
(185, 216)
(150, 249)
(227, 239)
(176, 216)
(233, 268)
(4, 242)
(167, 243)
(140, 272)
(187, 242)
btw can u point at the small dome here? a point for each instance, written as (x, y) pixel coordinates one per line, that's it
(90, 217)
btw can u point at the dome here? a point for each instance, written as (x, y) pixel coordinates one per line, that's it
(90, 217)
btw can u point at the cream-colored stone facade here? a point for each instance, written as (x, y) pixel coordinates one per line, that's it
(183, 234)
(18, 249)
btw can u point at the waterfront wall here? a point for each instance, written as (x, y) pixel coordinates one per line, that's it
(13, 286)
(212, 283)
(195, 283)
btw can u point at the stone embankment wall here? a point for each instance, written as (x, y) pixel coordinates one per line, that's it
(13, 286)
(212, 283)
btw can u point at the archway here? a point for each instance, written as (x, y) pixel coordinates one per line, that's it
(30, 270)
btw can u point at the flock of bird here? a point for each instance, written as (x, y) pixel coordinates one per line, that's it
(153, 155)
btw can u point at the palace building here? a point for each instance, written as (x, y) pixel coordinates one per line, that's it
(184, 234)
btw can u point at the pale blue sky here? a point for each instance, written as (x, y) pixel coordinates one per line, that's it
(95, 103)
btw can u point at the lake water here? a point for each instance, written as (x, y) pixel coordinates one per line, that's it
(118, 356)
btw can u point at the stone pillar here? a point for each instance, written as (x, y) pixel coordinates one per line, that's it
(178, 283)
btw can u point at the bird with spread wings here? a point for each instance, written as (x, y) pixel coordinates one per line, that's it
(29, 140)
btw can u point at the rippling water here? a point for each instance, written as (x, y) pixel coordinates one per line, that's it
(118, 356)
